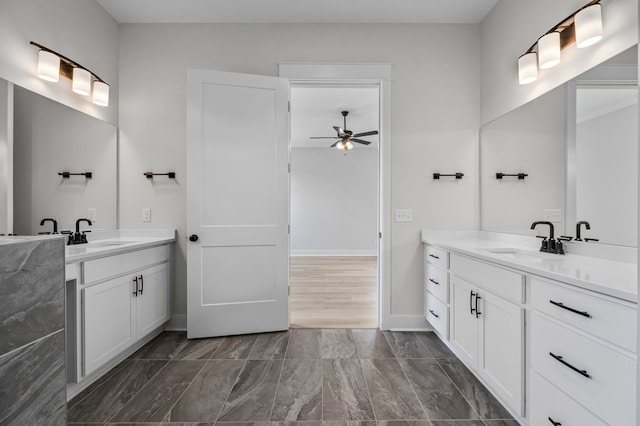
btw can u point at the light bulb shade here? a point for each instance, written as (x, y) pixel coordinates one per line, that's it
(527, 68)
(48, 66)
(81, 81)
(100, 93)
(348, 145)
(588, 23)
(340, 146)
(549, 50)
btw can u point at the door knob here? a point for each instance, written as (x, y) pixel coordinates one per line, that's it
(193, 238)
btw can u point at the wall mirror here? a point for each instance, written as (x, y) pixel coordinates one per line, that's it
(50, 139)
(569, 155)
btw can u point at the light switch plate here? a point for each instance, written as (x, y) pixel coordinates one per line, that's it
(92, 215)
(146, 214)
(404, 215)
(553, 215)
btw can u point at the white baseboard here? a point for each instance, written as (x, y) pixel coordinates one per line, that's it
(407, 323)
(295, 253)
(178, 322)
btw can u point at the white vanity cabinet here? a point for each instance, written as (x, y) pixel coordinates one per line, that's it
(582, 348)
(124, 298)
(487, 330)
(436, 289)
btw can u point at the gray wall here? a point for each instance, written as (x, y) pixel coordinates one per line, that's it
(435, 101)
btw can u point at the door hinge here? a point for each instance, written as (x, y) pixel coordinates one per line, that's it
(288, 229)
(289, 106)
(289, 291)
(289, 167)
(380, 235)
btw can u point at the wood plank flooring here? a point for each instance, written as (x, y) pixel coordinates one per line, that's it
(334, 292)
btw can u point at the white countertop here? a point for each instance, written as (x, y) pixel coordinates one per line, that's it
(110, 242)
(610, 277)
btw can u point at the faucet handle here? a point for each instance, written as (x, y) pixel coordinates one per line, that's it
(564, 238)
(542, 236)
(591, 239)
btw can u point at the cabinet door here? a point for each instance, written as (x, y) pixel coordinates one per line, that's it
(152, 299)
(501, 350)
(109, 322)
(464, 330)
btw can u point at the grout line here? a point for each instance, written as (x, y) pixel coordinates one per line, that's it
(366, 384)
(141, 389)
(230, 390)
(107, 376)
(275, 394)
(423, 345)
(460, 390)
(415, 393)
(187, 388)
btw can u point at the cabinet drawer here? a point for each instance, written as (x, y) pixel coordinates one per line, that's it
(500, 281)
(437, 314)
(609, 390)
(597, 315)
(549, 402)
(437, 256)
(112, 266)
(437, 282)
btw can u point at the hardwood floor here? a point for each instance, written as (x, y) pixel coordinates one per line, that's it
(334, 292)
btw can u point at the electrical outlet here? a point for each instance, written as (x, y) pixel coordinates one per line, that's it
(92, 215)
(404, 215)
(146, 214)
(553, 215)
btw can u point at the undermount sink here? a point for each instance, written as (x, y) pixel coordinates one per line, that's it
(514, 253)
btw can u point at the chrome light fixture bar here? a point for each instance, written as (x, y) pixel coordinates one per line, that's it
(52, 64)
(584, 27)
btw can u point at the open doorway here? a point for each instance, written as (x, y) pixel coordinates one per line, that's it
(335, 203)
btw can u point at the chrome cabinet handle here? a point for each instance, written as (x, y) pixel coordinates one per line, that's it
(434, 256)
(478, 313)
(141, 284)
(434, 281)
(554, 423)
(575, 311)
(434, 314)
(566, 364)
(471, 308)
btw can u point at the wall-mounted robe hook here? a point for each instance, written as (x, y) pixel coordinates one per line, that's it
(520, 176)
(67, 175)
(457, 175)
(150, 175)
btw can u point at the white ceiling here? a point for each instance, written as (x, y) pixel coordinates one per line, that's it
(314, 112)
(298, 11)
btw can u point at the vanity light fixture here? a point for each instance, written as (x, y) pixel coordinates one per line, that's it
(584, 27)
(52, 64)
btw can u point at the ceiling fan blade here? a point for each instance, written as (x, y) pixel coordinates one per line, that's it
(340, 131)
(324, 137)
(332, 146)
(360, 141)
(373, 132)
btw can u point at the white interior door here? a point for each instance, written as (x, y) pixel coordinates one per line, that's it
(237, 203)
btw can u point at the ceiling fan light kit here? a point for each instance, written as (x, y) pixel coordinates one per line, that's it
(347, 137)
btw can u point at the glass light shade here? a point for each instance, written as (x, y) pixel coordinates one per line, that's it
(48, 66)
(348, 145)
(528, 68)
(588, 23)
(340, 146)
(81, 81)
(549, 50)
(100, 93)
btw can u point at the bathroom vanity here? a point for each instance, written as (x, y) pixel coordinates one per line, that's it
(118, 298)
(552, 336)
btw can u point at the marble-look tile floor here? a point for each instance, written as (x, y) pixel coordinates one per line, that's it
(334, 377)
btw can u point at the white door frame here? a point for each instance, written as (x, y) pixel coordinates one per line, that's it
(380, 75)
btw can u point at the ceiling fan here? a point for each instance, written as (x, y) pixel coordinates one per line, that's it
(346, 137)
